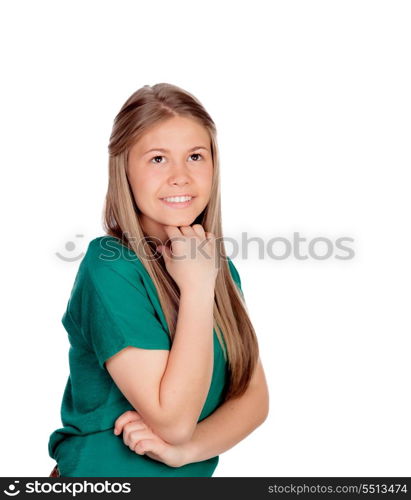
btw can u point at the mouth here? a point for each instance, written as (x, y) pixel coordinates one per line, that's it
(178, 201)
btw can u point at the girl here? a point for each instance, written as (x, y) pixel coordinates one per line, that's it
(164, 363)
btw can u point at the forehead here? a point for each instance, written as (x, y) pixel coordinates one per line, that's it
(173, 134)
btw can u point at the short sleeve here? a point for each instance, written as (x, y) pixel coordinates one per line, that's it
(116, 312)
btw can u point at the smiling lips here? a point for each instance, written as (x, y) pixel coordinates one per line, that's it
(178, 201)
(173, 197)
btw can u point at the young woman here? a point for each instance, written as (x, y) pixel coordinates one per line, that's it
(164, 363)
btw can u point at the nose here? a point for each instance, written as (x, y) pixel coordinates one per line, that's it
(179, 175)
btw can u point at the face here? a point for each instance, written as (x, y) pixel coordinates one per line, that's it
(173, 158)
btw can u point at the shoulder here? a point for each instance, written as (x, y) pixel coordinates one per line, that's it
(106, 258)
(108, 249)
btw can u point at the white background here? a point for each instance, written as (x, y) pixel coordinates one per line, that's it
(312, 105)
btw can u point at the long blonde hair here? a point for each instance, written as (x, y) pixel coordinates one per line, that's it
(148, 106)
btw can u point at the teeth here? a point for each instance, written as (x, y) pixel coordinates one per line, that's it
(178, 199)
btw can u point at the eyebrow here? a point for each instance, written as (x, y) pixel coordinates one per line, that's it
(167, 151)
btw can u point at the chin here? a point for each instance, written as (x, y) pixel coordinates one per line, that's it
(181, 221)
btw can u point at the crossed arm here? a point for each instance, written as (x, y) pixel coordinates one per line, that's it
(231, 422)
(226, 426)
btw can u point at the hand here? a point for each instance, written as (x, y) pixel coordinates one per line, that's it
(139, 437)
(191, 259)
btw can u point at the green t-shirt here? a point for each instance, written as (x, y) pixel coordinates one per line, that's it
(114, 304)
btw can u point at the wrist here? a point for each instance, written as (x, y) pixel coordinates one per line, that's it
(187, 453)
(200, 291)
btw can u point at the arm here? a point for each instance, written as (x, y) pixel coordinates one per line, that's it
(172, 386)
(224, 428)
(230, 423)
(187, 380)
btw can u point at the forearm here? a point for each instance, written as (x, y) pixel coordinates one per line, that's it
(186, 380)
(226, 426)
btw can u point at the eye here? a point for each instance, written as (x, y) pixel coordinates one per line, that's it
(161, 156)
(196, 154)
(154, 157)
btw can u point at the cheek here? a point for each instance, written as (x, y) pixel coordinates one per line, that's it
(147, 186)
(205, 178)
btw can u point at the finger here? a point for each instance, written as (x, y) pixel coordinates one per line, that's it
(134, 437)
(172, 231)
(165, 251)
(198, 228)
(210, 236)
(144, 446)
(130, 428)
(173, 235)
(188, 231)
(128, 416)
